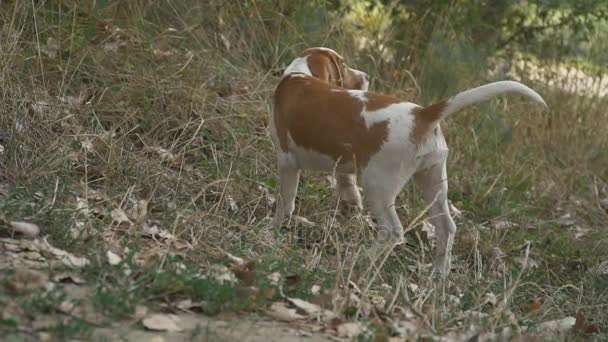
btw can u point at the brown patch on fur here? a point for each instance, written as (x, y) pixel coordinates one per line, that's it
(377, 101)
(326, 119)
(425, 119)
(330, 67)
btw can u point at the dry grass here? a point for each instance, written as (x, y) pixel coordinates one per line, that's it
(167, 102)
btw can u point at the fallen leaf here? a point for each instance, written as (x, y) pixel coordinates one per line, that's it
(309, 308)
(232, 203)
(581, 325)
(138, 211)
(534, 306)
(455, 211)
(602, 268)
(156, 233)
(120, 219)
(113, 258)
(324, 300)
(489, 298)
(245, 276)
(557, 326)
(429, 230)
(189, 305)
(141, 311)
(68, 278)
(531, 263)
(275, 278)
(25, 228)
(51, 49)
(161, 322)
(238, 261)
(222, 274)
(500, 225)
(566, 220)
(580, 232)
(66, 307)
(280, 311)
(26, 279)
(162, 153)
(66, 258)
(350, 329)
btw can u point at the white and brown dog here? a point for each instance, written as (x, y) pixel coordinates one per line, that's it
(324, 119)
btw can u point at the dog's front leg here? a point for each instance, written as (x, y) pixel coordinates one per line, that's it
(289, 175)
(346, 185)
(433, 184)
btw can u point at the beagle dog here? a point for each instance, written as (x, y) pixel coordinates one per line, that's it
(325, 119)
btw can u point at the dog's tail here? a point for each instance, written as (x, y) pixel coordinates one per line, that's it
(427, 118)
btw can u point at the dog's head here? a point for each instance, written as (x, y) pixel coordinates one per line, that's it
(329, 66)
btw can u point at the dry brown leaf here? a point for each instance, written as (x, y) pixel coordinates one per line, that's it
(246, 277)
(280, 311)
(26, 279)
(25, 228)
(162, 322)
(582, 326)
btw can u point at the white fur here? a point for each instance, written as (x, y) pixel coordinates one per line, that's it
(398, 115)
(314, 161)
(298, 65)
(364, 75)
(358, 94)
(488, 91)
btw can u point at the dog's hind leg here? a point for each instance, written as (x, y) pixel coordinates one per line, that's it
(381, 185)
(432, 182)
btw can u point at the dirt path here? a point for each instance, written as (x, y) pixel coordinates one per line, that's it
(202, 328)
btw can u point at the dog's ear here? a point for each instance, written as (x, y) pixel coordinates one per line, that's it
(325, 65)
